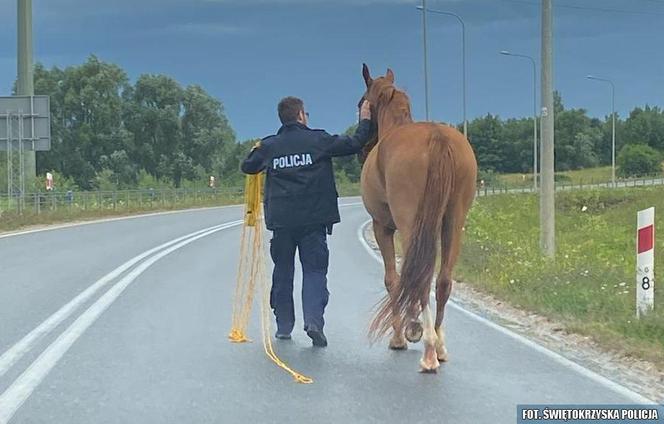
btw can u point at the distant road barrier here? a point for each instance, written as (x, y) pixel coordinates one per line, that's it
(565, 186)
(73, 202)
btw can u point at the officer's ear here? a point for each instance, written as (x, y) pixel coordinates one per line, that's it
(390, 75)
(367, 76)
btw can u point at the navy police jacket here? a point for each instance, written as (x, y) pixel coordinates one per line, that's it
(299, 186)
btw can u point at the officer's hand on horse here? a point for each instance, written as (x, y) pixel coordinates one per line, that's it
(365, 110)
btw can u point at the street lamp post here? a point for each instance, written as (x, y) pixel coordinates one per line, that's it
(463, 60)
(613, 125)
(506, 53)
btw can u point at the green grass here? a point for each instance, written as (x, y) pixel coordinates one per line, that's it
(348, 189)
(591, 284)
(94, 205)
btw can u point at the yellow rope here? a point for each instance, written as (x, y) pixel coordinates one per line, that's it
(251, 269)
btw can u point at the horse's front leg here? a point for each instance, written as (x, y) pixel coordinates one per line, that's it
(385, 239)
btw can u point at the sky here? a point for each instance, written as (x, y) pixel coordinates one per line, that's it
(251, 53)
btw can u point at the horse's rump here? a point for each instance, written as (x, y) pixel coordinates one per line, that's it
(422, 158)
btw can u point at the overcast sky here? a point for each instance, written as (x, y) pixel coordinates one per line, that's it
(250, 53)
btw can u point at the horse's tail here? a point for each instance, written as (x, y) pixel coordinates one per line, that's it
(420, 259)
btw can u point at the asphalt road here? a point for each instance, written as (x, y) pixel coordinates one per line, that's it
(148, 343)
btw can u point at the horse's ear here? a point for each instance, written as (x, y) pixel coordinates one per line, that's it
(390, 75)
(366, 75)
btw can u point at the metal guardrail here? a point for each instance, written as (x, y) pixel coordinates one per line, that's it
(75, 201)
(142, 199)
(637, 182)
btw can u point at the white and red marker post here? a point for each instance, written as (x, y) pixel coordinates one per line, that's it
(645, 262)
(49, 181)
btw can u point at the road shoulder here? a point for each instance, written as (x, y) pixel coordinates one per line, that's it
(638, 375)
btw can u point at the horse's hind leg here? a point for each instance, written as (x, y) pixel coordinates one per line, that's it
(385, 239)
(450, 244)
(429, 362)
(443, 290)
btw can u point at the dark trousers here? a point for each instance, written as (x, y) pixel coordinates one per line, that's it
(311, 243)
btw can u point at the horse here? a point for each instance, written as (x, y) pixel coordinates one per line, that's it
(418, 178)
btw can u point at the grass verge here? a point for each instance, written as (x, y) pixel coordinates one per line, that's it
(98, 209)
(590, 286)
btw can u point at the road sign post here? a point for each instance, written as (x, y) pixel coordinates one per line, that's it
(25, 127)
(645, 262)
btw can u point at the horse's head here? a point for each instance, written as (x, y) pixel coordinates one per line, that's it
(379, 92)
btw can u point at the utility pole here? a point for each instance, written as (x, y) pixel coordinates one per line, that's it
(426, 59)
(547, 193)
(25, 83)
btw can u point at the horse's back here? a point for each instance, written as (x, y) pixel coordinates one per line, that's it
(406, 151)
(395, 173)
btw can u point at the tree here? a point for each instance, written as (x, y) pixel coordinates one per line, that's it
(123, 172)
(638, 160)
(645, 126)
(348, 167)
(486, 138)
(517, 135)
(86, 108)
(205, 128)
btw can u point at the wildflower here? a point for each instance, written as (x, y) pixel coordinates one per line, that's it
(585, 208)
(622, 284)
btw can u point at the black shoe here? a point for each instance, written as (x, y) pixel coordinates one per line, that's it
(282, 336)
(317, 337)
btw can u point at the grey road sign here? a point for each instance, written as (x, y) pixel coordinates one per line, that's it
(32, 115)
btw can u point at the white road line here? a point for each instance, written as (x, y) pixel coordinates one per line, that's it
(567, 363)
(27, 343)
(123, 218)
(12, 399)
(104, 220)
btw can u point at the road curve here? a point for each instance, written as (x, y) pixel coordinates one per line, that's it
(148, 345)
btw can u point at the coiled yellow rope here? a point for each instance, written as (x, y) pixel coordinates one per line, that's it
(251, 270)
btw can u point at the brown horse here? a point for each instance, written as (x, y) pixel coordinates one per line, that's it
(418, 178)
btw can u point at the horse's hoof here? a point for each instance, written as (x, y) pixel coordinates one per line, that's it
(431, 368)
(442, 355)
(398, 345)
(429, 363)
(414, 331)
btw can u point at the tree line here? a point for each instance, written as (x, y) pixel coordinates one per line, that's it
(107, 132)
(506, 146)
(110, 133)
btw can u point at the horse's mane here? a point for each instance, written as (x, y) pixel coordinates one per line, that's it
(393, 105)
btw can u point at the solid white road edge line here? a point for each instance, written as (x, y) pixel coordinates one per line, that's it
(145, 215)
(104, 220)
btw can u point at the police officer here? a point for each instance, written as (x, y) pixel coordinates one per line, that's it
(300, 209)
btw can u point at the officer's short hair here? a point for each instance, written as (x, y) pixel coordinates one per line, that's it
(289, 108)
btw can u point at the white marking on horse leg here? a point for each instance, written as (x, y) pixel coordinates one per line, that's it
(441, 350)
(429, 360)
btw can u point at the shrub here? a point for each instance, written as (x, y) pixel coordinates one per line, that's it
(638, 160)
